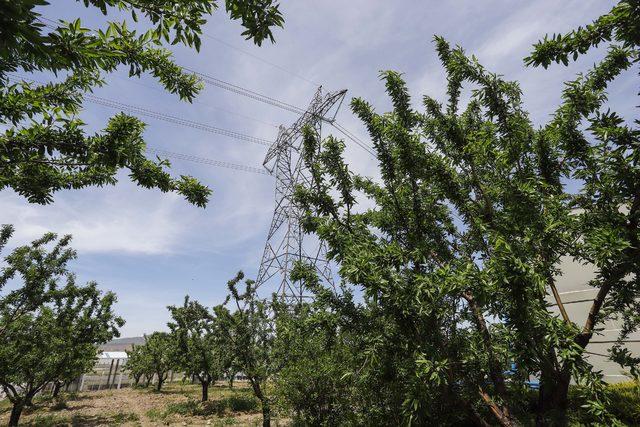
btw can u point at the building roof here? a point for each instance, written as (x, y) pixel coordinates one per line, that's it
(113, 355)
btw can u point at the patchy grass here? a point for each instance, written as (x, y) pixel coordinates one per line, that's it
(58, 420)
(177, 404)
(194, 408)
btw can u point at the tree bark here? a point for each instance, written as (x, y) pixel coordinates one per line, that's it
(266, 413)
(56, 389)
(266, 409)
(160, 382)
(205, 390)
(16, 411)
(503, 417)
(502, 412)
(554, 397)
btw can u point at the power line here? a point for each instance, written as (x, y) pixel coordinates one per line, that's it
(177, 120)
(246, 92)
(353, 138)
(183, 156)
(166, 117)
(195, 101)
(210, 162)
(274, 65)
(214, 81)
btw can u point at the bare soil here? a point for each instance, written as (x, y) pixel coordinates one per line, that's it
(175, 405)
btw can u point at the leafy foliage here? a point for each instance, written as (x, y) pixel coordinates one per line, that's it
(199, 345)
(251, 330)
(458, 255)
(50, 330)
(46, 148)
(314, 383)
(137, 363)
(159, 355)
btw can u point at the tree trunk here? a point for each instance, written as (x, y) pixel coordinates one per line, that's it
(56, 389)
(266, 413)
(231, 381)
(160, 381)
(554, 398)
(205, 390)
(16, 411)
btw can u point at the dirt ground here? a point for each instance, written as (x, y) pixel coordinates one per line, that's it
(175, 405)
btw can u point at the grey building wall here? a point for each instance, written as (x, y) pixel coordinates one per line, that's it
(577, 297)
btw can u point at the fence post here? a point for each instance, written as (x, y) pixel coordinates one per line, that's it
(115, 371)
(110, 369)
(81, 383)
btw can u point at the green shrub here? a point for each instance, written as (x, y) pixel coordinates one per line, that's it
(625, 401)
(240, 403)
(59, 404)
(195, 408)
(125, 417)
(189, 407)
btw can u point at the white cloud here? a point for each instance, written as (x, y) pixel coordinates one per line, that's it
(101, 220)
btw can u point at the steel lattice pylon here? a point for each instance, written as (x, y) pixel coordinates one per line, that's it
(285, 239)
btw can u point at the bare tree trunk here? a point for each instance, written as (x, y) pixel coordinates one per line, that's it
(553, 397)
(16, 411)
(266, 413)
(56, 388)
(205, 390)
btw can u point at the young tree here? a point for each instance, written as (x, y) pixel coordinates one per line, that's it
(251, 328)
(137, 364)
(38, 267)
(198, 345)
(57, 335)
(159, 350)
(46, 148)
(78, 362)
(314, 382)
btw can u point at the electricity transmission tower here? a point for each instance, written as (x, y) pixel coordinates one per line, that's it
(285, 238)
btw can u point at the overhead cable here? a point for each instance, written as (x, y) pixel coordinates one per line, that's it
(353, 138)
(273, 64)
(209, 162)
(167, 118)
(177, 120)
(246, 92)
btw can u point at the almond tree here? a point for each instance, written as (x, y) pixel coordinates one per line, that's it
(136, 364)
(49, 328)
(251, 329)
(199, 347)
(159, 350)
(459, 252)
(587, 142)
(45, 147)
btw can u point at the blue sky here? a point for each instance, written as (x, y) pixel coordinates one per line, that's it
(153, 248)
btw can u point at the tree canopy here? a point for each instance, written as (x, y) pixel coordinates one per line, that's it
(458, 257)
(46, 147)
(200, 345)
(51, 327)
